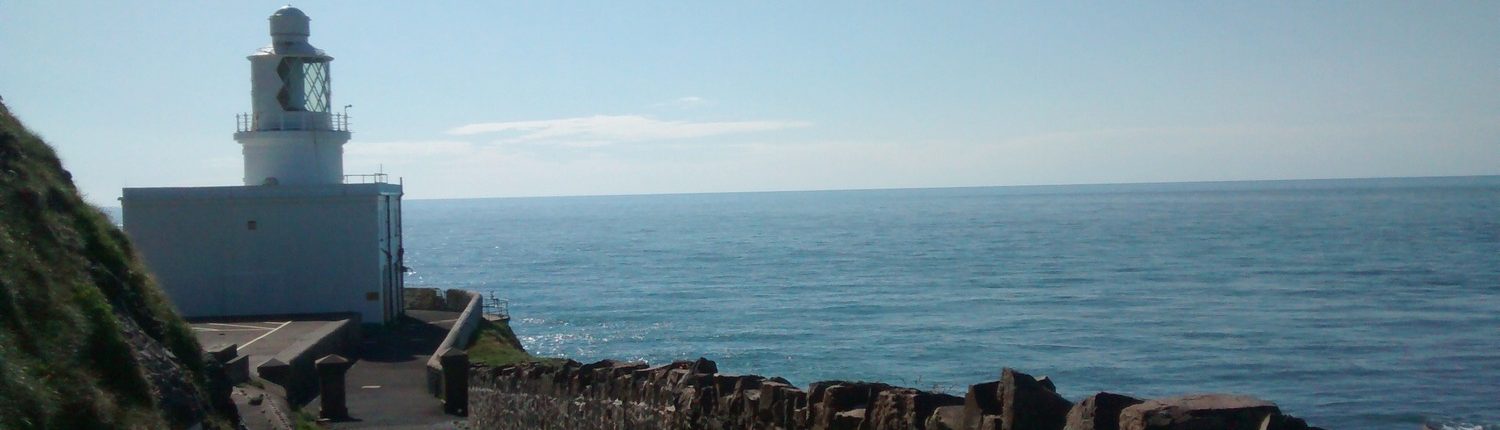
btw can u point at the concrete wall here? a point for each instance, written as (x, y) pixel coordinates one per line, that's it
(693, 395)
(458, 336)
(228, 251)
(293, 369)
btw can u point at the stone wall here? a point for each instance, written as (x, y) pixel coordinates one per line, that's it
(694, 395)
(433, 299)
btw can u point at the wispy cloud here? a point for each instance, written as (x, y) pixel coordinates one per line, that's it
(606, 129)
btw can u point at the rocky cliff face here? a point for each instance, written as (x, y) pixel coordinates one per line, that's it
(86, 338)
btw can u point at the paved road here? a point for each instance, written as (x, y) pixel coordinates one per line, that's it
(388, 385)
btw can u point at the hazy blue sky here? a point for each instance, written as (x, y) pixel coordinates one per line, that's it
(553, 98)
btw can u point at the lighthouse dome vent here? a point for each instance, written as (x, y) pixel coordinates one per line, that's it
(289, 22)
(288, 10)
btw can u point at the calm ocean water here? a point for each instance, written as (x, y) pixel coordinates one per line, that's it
(1357, 304)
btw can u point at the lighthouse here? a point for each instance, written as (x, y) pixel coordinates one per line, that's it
(299, 236)
(290, 137)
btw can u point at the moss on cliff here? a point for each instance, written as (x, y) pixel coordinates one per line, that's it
(86, 338)
(494, 344)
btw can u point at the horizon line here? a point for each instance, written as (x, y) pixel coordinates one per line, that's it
(958, 187)
(953, 187)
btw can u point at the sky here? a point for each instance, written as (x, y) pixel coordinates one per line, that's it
(500, 99)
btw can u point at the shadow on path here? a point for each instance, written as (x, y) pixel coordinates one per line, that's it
(387, 387)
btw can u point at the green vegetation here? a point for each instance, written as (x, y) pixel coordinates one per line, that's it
(76, 304)
(494, 344)
(305, 421)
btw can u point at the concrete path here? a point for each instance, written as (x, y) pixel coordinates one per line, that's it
(260, 339)
(387, 387)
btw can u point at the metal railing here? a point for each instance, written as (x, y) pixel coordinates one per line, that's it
(497, 307)
(367, 178)
(244, 122)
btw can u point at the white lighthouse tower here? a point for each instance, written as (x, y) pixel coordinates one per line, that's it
(290, 137)
(297, 237)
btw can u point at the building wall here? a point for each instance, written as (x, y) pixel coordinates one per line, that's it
(309, 250)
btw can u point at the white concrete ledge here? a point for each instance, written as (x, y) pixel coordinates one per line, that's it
(458, 338)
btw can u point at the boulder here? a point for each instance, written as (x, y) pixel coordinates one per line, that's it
(848, 420)
(946, 418)
(626, 368)
(690, 402)
(789, 415)
(704, 366)
(749, 382)
(906, 408)
(620, 383)
(749, 401)
(1046, 382)
(815, 394)
(989, 422)
(772, 397)
(837, 397)
(1284, 422)
(1099, 412)
(980, 401)
(655, 374)
(592, 373)
(676, 376)
(1198, 411)
(1026, 404)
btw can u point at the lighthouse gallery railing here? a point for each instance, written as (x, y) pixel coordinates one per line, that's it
(293, 121)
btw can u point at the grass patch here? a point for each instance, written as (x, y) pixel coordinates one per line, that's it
(494, 344)
(70, 284)
(305, 421)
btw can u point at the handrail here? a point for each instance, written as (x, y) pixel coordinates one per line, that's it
(367, 178)
(497, 307)
(246, 122)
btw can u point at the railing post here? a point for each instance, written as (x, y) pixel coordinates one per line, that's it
(455, 364)
(331, 369)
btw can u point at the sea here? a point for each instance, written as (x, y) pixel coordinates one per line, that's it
(1354, 304)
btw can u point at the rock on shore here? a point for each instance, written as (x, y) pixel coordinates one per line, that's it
(693, 395)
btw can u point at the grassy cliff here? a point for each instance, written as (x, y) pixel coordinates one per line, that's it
(494, 344)
(86, 338)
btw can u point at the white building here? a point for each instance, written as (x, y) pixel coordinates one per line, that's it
(295, 238)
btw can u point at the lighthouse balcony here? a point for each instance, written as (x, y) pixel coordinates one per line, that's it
(367, 178)
(291, 121)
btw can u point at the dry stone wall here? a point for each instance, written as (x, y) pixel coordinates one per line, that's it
(694, 395)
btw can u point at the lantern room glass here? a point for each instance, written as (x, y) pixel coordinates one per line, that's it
(304, 84)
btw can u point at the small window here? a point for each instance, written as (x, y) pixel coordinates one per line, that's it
(250, 225)
(372, 296)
